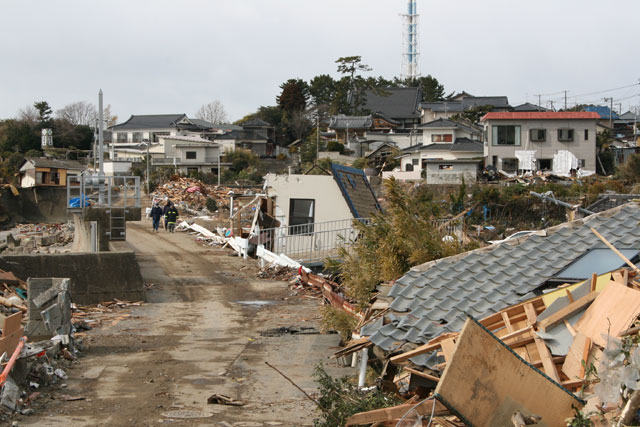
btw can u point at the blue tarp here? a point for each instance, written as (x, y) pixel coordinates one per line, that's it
(79, 202)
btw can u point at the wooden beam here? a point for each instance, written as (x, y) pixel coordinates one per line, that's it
(425, 348)
(585, 356)
(507, 322)
(567, 311)
(569, 295)
(422, 374)
(515, 334)
(570, 328)
(545, 354)
(396, 412)
(617, 252)
(629, 331)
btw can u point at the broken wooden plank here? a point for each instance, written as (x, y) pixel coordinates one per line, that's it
(543, 350)
(507, 322)
(12, 324)
(569, 295)
(9, 343)
(488, 396)
(617, 252)
(573, 362)
(569, 328)
(594, 282)
(448, 348)
(396, 412)
(515, 334)
(630, 331)
(612, 312)
(422, 374)
(567, 311)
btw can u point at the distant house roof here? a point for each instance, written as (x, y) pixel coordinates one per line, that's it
(528, 107)
(395, 102)
(380, 145)
(629, 116)
(352, 122)
(253, 123)
(433, 298)
(465, 103)
(356, 190)
(186, 138)
(153, 121)
(203, 123)
(43, 162)
(447, 124)
(478, 101)
(461, 145)
(603, 112)
(543, 115)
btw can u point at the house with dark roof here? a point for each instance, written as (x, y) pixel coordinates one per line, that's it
(399, 105)
(528, 107)
(139, 128)
(348, 128)
(40, 172)
(343, 194)
(549, 139)
(435, 297)
(255, 135)
(431, 111)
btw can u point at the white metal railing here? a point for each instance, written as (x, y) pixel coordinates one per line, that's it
(309, 243)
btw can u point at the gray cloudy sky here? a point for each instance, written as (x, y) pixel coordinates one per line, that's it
(153, 57)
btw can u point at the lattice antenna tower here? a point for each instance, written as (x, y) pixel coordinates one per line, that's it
(410, 42)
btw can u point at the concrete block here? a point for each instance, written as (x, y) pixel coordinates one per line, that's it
(52, 318)
(10, 394)
(55, 288)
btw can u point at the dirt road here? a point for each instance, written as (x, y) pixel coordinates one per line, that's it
(198, 334)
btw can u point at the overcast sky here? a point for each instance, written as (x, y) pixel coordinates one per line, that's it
(161, 57)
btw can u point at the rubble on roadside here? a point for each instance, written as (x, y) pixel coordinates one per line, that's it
(37, 239)
(42, 336)
(190, 195)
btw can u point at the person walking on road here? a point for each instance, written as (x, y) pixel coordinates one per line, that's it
(164, 212)
(172, 217)
(156, 214)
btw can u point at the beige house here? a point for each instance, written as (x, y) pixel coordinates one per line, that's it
(543, 135)
(48, 172)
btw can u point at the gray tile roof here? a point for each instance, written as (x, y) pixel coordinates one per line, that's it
(466, 145)
(528, 107)
(432, 298)
(256, 123)
(467, 102)
(447, 124)
(395, 102)
(42, 162)
(356, 190)
(352, 122)
(152, 121)
(448, 106)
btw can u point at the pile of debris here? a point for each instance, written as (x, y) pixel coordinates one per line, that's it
(278, 272)
(37, 238)
(51, 347)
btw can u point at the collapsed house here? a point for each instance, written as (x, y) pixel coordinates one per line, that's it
(510, 328)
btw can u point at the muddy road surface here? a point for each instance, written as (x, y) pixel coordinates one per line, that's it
(198, 334)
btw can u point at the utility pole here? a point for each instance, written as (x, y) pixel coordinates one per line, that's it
(539, 102)
(148, 190)
(100, 151)
(610, 112)
(565, 100)
(318, 137)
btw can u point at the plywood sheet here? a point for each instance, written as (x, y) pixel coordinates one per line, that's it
(11, 324)
(486, 383)
(612, 312)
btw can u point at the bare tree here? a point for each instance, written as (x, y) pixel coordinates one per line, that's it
(110, 120)
(213, 112)
(28, 114)
(299, 122)
(78, 113)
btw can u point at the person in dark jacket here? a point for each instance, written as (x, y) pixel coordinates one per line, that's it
(164, 212)
(156, 214)
(172, 217)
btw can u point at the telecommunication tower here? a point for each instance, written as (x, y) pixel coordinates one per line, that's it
(410, 39)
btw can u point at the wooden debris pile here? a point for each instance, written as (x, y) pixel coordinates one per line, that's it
(573, 351)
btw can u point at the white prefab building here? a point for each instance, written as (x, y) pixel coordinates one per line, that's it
(316, 212)
(545, 134)
(187, 154)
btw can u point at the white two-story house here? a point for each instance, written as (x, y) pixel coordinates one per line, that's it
(543, 135)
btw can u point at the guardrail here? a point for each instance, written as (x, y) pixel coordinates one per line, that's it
(313, 242)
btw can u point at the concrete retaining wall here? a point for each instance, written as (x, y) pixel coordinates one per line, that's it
(95, 277)
(34, 205)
